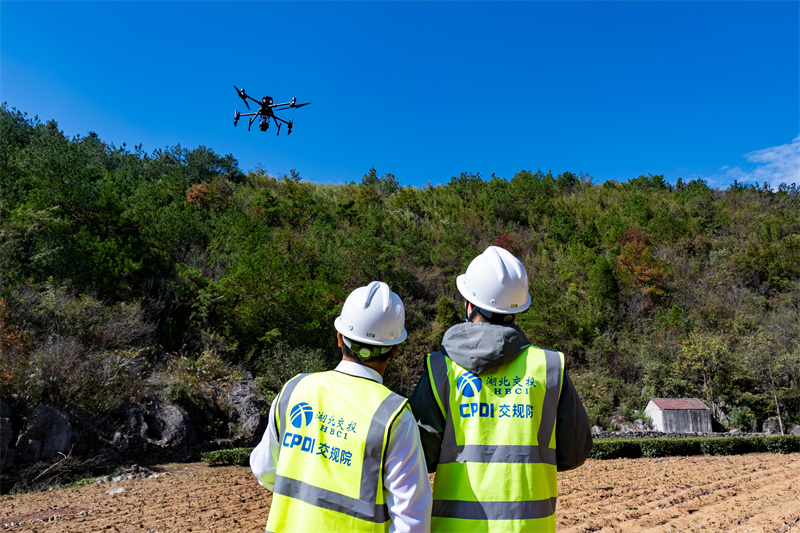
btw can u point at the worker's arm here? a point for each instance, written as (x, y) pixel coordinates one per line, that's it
(573, 433)
(264, 457)
(430, 419)
(407, 489)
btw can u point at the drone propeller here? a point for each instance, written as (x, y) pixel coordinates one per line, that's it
(301, 105)
(236, 117)
(242, 95)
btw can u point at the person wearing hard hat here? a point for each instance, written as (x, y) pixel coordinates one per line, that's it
(341, 451)
(498, 416)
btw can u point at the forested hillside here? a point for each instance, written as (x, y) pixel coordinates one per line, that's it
(124, 273)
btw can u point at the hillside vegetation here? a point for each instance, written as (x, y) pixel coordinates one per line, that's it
(125, 273)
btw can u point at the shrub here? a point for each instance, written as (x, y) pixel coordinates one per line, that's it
(742, 417)
(665, 447)
(15, 345)
(280, 362)
(446, 313)
(616, 449)
(208, 368)
(232, 457)
(599, 393)
(670, 447)
(726, 446)
(781, 444)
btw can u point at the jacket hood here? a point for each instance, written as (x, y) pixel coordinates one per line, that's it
(477, 346)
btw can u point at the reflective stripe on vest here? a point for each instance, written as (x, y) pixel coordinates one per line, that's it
(482, 484)
(303, 498)
(327, 499)
(466, 510)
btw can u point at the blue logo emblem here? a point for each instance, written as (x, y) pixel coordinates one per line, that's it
(301, 415)
(469, 385)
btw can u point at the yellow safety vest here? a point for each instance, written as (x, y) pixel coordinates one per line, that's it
(497, 465)
(333, 429)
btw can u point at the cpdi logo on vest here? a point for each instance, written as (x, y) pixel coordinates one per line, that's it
(299, 417)
(469, 385)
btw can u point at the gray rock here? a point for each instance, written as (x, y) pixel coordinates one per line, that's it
(6, 437)
(88, 425)
(129, 421)
(245, 401)
(772, 426)
(167, 425)
(253, 429)
(47, 433)
(5, 409)
(130, 438)
(121, 443)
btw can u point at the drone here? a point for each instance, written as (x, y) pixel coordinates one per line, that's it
(265, 111)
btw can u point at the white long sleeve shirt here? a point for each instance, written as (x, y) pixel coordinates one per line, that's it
(406, 486)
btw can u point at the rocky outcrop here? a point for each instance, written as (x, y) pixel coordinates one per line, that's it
(252, 430)
(7, 453)
(247, 419)
(146, 433)
(167, 426)
(47, 434)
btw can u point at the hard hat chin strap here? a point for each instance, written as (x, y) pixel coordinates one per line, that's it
(471, 316)
(494, 318)
(366, 351)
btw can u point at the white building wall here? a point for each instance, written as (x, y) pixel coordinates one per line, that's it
(655, 415)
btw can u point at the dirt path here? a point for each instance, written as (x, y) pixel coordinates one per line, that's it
(752, 493)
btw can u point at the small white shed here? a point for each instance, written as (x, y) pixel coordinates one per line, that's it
(679, 415)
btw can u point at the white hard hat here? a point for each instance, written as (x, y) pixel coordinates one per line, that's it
(373, 315)
(496, 281)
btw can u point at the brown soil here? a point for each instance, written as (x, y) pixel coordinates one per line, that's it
(753, 493)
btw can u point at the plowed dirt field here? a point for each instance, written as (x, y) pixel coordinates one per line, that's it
(753, 493)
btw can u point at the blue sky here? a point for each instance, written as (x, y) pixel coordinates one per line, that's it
(426, 90)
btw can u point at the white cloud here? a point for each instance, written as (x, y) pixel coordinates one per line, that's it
(776, 165)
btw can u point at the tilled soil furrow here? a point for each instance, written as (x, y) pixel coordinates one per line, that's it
(753, 493)
(688, 494)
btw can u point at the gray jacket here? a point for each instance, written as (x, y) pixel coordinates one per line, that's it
(478, 347)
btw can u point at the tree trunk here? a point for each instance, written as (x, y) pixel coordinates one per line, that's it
(777, 405)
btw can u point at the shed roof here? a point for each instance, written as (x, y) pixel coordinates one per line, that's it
(678, 403)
